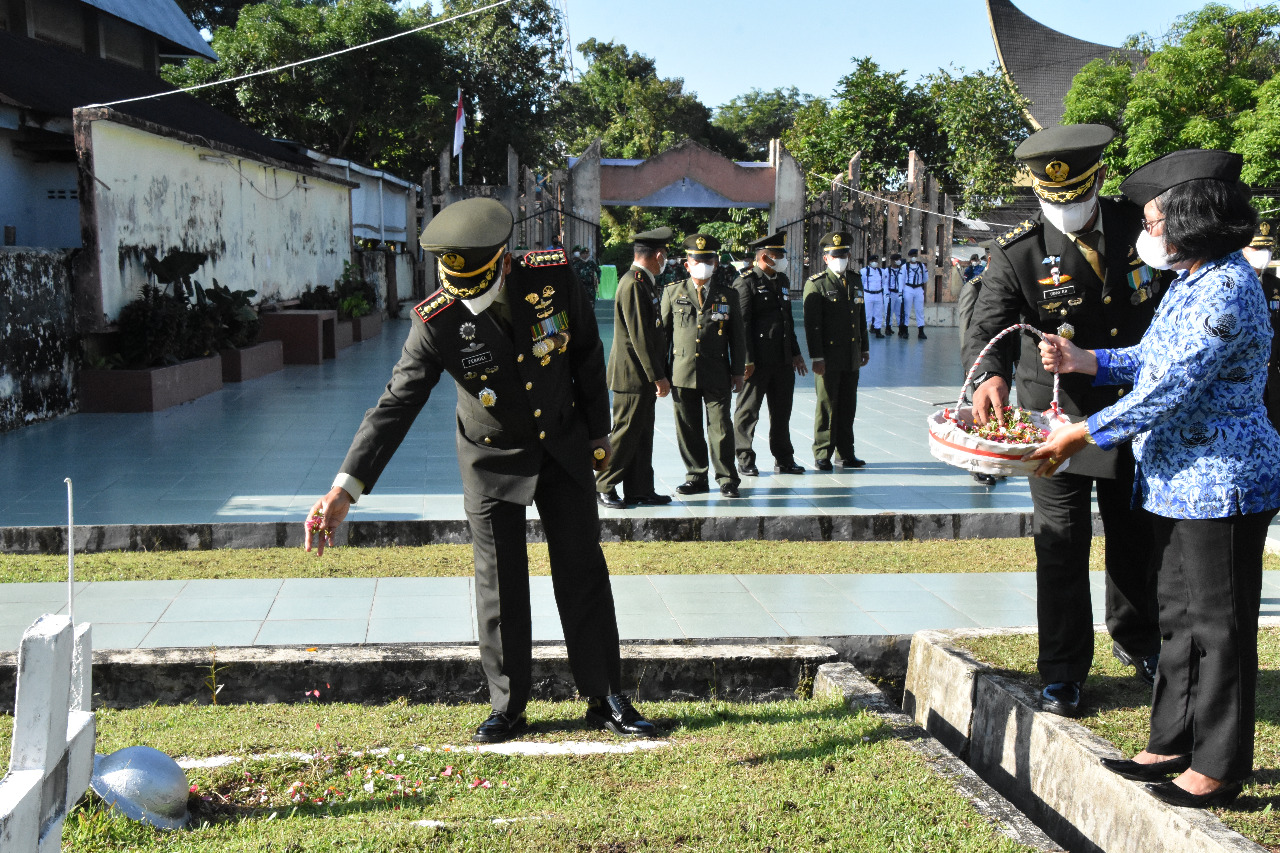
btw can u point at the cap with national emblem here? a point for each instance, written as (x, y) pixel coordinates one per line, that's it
(1265, 235)
(701, 247)
(655, 239)
(834, 242)
(776, 242)
(1178, 167)
(1064, 160)
(469, 237)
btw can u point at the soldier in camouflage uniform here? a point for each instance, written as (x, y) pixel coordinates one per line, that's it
(587, 271)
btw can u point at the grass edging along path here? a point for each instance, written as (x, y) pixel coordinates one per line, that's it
(785, 776)
(625, 558)
(1118, 709)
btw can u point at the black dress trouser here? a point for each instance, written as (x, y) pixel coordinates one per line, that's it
(1063, 533)
(775, 385)
(1210, 588)
(631, 465)
(579, 577)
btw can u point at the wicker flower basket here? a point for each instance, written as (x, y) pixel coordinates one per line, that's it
(950, 442)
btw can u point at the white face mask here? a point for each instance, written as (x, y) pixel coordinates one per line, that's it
(701, 271)
(838, 265)
(776, 264)
(1069, 218)
(484, 300)
(875, 265)
(1259, 259)
(1153, 251)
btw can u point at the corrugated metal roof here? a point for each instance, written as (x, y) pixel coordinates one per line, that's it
(162, 17)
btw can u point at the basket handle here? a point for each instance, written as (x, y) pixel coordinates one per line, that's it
(1017, 327)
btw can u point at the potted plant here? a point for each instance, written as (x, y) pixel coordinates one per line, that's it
(243, 356)
(357, 301)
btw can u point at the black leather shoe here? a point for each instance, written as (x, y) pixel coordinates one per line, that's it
(500, 727)
(788, 468)
(749, 470)
(610, 499)
(652, 499)
(902, 333)
(985, 479)
(1130, 769)
(617, 714)
(1061, 698)
(1170, 793)
(822, 464)
(729, 490)
(693, 487)
(1143, 667)
(920, 335)
(855, 462)
(878, 333)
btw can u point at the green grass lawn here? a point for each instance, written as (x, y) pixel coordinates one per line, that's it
(1117, 707)
(788, 776)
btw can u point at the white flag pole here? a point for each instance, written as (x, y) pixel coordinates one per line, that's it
(71, 554)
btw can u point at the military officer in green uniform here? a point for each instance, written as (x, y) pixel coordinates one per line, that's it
(637, 375)
(1072, 269)
(708, 363)
(764, 300)
(521, 344)
(835, 324)
(587, 271)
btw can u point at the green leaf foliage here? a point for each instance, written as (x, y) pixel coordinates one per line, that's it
(757, 117)
(1207, 83)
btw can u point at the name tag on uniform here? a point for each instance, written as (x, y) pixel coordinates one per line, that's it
(1059, 292)
(479, 358)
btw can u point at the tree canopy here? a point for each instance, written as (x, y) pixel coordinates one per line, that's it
(1210, 82)
(964, 126)
(757, 117)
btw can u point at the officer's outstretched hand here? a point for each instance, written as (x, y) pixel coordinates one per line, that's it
(601, 451)
(819, 367)
(324, 518)
(798, 364)
(738, 383)
(989, 400)
(663, 387)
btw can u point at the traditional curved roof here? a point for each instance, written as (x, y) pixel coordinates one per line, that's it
(1039, 60)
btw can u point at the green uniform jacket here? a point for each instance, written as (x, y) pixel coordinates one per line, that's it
(1017, 288)
(765, 305)
(639, 354)
(708, 347)
(835, 319)
(513, 406)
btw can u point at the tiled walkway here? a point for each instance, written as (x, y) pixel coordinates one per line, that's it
(263, 451)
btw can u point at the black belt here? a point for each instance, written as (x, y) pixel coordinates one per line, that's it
(915, 285)
(864, 290)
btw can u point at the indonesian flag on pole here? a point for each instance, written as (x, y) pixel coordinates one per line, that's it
(459, 123)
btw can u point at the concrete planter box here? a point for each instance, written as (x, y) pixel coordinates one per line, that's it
(241, 365)
(308, 335)
(343, 334)
(151, 389)
(367, 327)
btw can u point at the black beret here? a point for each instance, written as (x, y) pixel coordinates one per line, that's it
(1178, 167)
(469, 237)
(655, 239)
(1064, 160)
(776, 242)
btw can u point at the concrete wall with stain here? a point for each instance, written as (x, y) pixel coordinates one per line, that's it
(264, 228)
(37, 336)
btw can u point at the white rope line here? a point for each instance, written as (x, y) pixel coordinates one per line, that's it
(837, 183)
(251, 74)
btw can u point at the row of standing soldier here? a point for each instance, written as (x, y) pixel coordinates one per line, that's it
(701, 341)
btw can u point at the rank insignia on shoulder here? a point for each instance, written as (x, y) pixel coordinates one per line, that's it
(545, 258)
(432, 305)
(1023, 228)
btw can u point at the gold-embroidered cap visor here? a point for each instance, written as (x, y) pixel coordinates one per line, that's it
(469, 284)
(1062, 192)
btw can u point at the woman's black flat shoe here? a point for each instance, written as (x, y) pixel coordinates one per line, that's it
(1147, 772)
(1173, 795)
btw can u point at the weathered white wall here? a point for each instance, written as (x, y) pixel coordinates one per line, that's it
(264, 228)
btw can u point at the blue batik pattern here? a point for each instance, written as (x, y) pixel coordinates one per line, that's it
(1204, 446)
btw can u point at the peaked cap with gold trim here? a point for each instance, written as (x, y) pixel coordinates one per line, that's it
(1265, 235)
(836, 240)
(1064, 160)
(701, 247)
(776, 242)
(469, 238)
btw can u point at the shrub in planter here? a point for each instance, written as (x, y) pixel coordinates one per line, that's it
(320, 299)
(356, 297)
(238, 319)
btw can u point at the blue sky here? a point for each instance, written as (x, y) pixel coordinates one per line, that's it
(723, 48)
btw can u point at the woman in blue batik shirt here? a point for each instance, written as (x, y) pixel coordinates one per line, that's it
(1208, 468)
